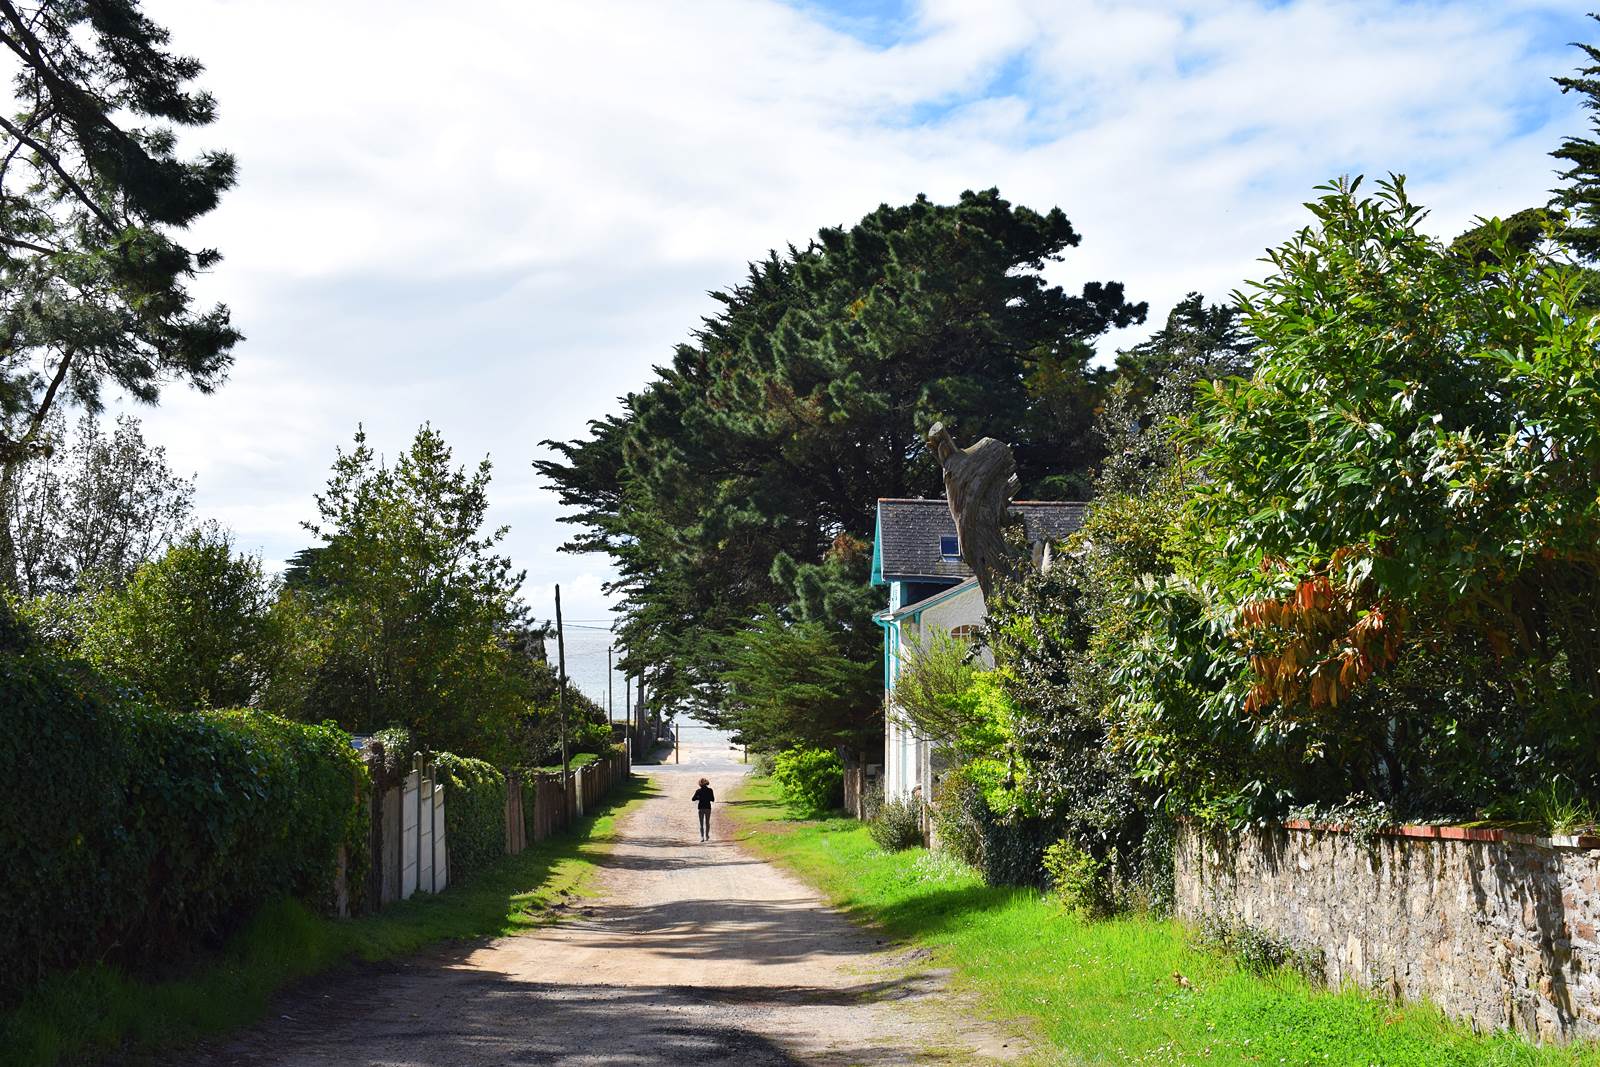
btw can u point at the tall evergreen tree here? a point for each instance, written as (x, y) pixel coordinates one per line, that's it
(93, 282)
(744, 476)
(1579, 192)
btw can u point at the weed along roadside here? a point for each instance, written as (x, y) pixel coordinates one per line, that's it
(1126, 989)
(92, 1012)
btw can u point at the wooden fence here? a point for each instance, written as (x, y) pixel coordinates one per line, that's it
(863, 787)
(410, 850)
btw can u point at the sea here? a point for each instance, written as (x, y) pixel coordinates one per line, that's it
(587, 645)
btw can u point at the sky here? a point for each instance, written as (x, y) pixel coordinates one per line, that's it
(498, 216)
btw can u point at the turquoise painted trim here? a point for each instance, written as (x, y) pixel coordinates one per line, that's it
(891, 641)
(877, 548)
(942, 595)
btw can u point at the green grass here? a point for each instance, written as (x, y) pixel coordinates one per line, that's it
(1104, 992)
(85, 1014)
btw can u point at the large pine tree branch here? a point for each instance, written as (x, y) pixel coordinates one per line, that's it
(17, 242)
(28, 49)
(15, 450)
(61, 172)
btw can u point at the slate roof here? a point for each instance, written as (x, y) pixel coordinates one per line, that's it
(909, 532)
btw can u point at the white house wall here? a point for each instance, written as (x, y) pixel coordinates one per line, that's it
(907, 758)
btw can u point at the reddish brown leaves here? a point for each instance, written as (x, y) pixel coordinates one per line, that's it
(1317, 645)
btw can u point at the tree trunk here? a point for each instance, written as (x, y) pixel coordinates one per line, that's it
(10, 580)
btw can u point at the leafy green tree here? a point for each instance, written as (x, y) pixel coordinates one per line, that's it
(407, 613)
(791, 685)
(90, 507)
(1198, 342)
(732, 480)
(1393, 578)
(932, 684)
(192, 629)
(1059, 637)
(93, 282)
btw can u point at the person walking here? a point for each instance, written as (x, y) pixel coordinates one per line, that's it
(703, 797)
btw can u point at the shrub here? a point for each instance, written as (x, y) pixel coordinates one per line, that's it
(1013, 849)
(398, 749)
(1077, 879)
(872, 803)
(1261, 952)
(957, 823)
(897, 825)
(1006, 848)
(474, 813)
(811, 780)
(137, 835)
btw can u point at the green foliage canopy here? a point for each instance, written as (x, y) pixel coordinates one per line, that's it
(745, 475)
(793, 685)
(193, 629)
(408, 615)
(93, 283)
(90, 506)
(1388, 580)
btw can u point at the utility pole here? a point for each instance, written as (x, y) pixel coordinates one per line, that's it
(644, 718)
(561, 710)
(610, 715)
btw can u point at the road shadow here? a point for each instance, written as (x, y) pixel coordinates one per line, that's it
(440, 1013)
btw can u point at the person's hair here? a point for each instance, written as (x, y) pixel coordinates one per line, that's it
(705, 781)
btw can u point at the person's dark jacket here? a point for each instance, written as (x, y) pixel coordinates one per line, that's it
(704, 796)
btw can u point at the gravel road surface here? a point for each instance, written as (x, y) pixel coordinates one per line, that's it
(688, 953)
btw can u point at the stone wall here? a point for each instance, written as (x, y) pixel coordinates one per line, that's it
(1498, 928)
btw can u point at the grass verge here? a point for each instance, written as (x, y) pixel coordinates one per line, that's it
(1105, 992)
(89, 1013)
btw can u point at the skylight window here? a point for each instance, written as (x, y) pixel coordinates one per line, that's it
(950, 548)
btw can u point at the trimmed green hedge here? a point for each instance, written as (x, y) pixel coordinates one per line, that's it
(474, 813)
(138, 835)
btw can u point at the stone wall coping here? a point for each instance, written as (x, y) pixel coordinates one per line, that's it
(1457, 833)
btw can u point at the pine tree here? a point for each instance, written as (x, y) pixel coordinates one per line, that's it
(1579, 192)
(93, 283)
(725, 488)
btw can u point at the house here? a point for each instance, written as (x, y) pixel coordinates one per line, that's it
(916, 554)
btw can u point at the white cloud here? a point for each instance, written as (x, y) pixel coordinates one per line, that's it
(497, 215)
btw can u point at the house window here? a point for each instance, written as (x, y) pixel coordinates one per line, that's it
(950, 548)
(964, 633)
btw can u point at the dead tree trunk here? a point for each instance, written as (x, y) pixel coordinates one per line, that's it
(979, 483)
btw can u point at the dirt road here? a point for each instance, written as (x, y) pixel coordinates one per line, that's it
(688, 953)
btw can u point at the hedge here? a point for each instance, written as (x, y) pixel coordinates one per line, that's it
(138, 835)
(474, 813)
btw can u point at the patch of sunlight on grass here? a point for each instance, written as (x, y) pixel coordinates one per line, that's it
(1105, 992)
(88, 1013)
